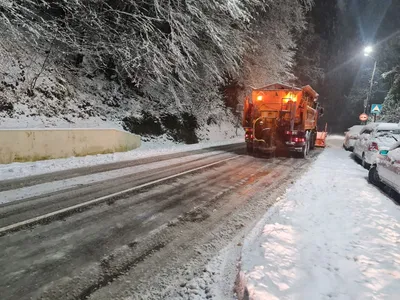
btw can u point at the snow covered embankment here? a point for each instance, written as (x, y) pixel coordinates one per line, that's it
(332, 236)
(16, 170)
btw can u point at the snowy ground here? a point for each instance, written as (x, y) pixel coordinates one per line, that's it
(20, 122)
(53, 186)
(332, 236)
(156, 147)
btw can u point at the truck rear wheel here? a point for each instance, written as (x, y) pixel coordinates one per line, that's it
(313, 139)
(249, 148)
(306, 150)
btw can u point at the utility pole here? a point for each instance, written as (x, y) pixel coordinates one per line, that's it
(370, 90)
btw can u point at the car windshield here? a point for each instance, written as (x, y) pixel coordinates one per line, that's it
(393, 134)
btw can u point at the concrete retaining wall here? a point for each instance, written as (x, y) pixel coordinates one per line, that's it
(17, 145)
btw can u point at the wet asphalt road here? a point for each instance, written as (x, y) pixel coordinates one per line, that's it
(77, 256)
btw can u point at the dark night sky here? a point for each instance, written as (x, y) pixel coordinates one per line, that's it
(346, 26)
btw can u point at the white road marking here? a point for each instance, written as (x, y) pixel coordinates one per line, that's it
(59, 185)
(104, 198)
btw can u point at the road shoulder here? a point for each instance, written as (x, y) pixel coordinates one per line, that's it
(332, 235)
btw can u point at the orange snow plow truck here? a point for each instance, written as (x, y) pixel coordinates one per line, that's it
(281, 117)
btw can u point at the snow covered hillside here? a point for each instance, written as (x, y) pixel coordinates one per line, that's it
(332, 236)
(63, 98)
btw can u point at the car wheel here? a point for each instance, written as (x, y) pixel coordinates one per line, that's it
(397, 197)
(373, 177)
(364, 163)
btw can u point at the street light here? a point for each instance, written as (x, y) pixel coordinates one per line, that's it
(367, 52)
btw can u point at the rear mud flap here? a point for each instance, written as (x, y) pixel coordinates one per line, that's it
(261, 146)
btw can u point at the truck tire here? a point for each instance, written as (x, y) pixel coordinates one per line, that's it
(256, 152)
(306, 150)
(313, 139)
(249, 148)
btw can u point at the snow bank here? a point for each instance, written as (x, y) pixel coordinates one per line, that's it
(218, 132)
(335, 137)
(153, 148)
(332, 236)
(23, 122)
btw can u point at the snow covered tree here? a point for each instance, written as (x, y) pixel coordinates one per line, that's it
(166, 51)
(274, 33)
(390, 59)
(308, 68)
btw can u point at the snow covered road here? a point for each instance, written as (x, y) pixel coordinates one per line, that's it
(148, 244)
(332, 236)
(147, 150)
(86, 179)
(328, 234)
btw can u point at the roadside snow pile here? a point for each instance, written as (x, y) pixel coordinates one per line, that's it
(218, 132)
(335, 137)
(332, 236)
(161, 147)
(53, 122)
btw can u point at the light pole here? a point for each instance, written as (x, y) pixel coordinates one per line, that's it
(367, 52)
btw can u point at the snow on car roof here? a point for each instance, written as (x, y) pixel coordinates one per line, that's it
(382, 126)
(355, 128)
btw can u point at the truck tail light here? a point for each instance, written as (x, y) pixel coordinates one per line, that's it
(298, 140)
(373, 147)
(294, 132)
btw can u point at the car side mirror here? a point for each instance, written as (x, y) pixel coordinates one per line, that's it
(384, 152)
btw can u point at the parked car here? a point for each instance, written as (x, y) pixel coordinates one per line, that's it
(351, 136)
(373, 138)
(386, 169)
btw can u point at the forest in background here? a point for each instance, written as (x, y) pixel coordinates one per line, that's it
(183, 57)
(346, 27)
(157, 65)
